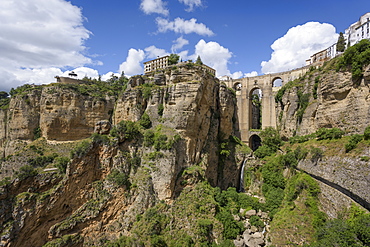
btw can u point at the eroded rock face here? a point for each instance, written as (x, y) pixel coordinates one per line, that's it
(341, 102)
(67, 116)
(193, 106)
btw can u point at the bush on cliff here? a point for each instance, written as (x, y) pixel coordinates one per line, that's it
(355, 58)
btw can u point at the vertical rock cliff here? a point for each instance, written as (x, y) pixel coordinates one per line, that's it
(190, 119)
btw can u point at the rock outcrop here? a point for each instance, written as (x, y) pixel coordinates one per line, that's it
(190, 110)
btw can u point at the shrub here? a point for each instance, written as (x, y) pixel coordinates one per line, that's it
(256, 221)
(42, 161)
(352, 143)
(355, 58)
(232, 228)
(315, 87)
(36, 133)
(367, 133)
(81, 149)
(332, 133)
(26, 171)
(316, 154)
(264, 151)
(118, 178)
(125, 130)
(303, 100)
(160, 109)
(61, 163)
(101, 139)
(145, 121)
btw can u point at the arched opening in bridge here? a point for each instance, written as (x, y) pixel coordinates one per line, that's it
(255, 102)
(277, 82)
(237, 86)
(255, 142)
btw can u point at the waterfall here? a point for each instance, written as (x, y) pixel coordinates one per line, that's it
(241, 183)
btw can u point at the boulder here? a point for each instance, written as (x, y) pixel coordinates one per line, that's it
(250, 213)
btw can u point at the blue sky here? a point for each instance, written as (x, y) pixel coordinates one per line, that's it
(40, 39)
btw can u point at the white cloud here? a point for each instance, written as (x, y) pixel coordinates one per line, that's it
(237, 75)
(191, 4)
(154, 7)
(37, 37)
(180, 25)
(108, 75)
(83, 72)
(251, 74)
(179, 43)
(132, 65)
(214, 55)
(152, 52)
(298, 44)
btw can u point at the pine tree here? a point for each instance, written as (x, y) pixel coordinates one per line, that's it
(199, 61)
(341, 44)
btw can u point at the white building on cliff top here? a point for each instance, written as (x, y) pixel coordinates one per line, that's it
(358, 30)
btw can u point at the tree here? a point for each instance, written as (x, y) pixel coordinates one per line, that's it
(341, 44)
(3, 95)
(199, 61)
(173, 59)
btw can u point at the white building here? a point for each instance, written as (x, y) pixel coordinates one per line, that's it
(153, 65)
(358, 30)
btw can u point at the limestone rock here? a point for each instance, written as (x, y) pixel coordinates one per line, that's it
(102, 127)
(250, 213)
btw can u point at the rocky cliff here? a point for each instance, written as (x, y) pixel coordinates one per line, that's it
(114, 178)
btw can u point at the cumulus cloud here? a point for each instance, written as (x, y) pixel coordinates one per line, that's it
(179, 43)
(180, 25)
(132, 65)
(152, 52)
(37, 38)
(298, 44)
(154, 7)
(214, 55)
(251, 74)
(191, 4)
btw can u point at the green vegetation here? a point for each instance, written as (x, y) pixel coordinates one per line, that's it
(61, 163)
(303, 100)
(355, 58)
(125, 130)
(97, 88)
(271, 142)
(158, 139)
(173, 59)
(26, 171)
(352, 143)
(145, 121)
(341, 43)
(119, 178)
(42, 161)
(199, 61)
(315, 87)
(66, 240)
(329, 133)
(81, 149)
(4, 100)
(37, 133)
(352, 230)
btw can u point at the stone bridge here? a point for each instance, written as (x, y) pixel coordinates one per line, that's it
(254, 118)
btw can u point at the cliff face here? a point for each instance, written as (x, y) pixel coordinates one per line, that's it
(109, 183)
(341, 102)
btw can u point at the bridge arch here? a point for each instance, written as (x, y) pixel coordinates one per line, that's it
(255, 142)
(277, 82)
(237, 86)
(255, 108)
